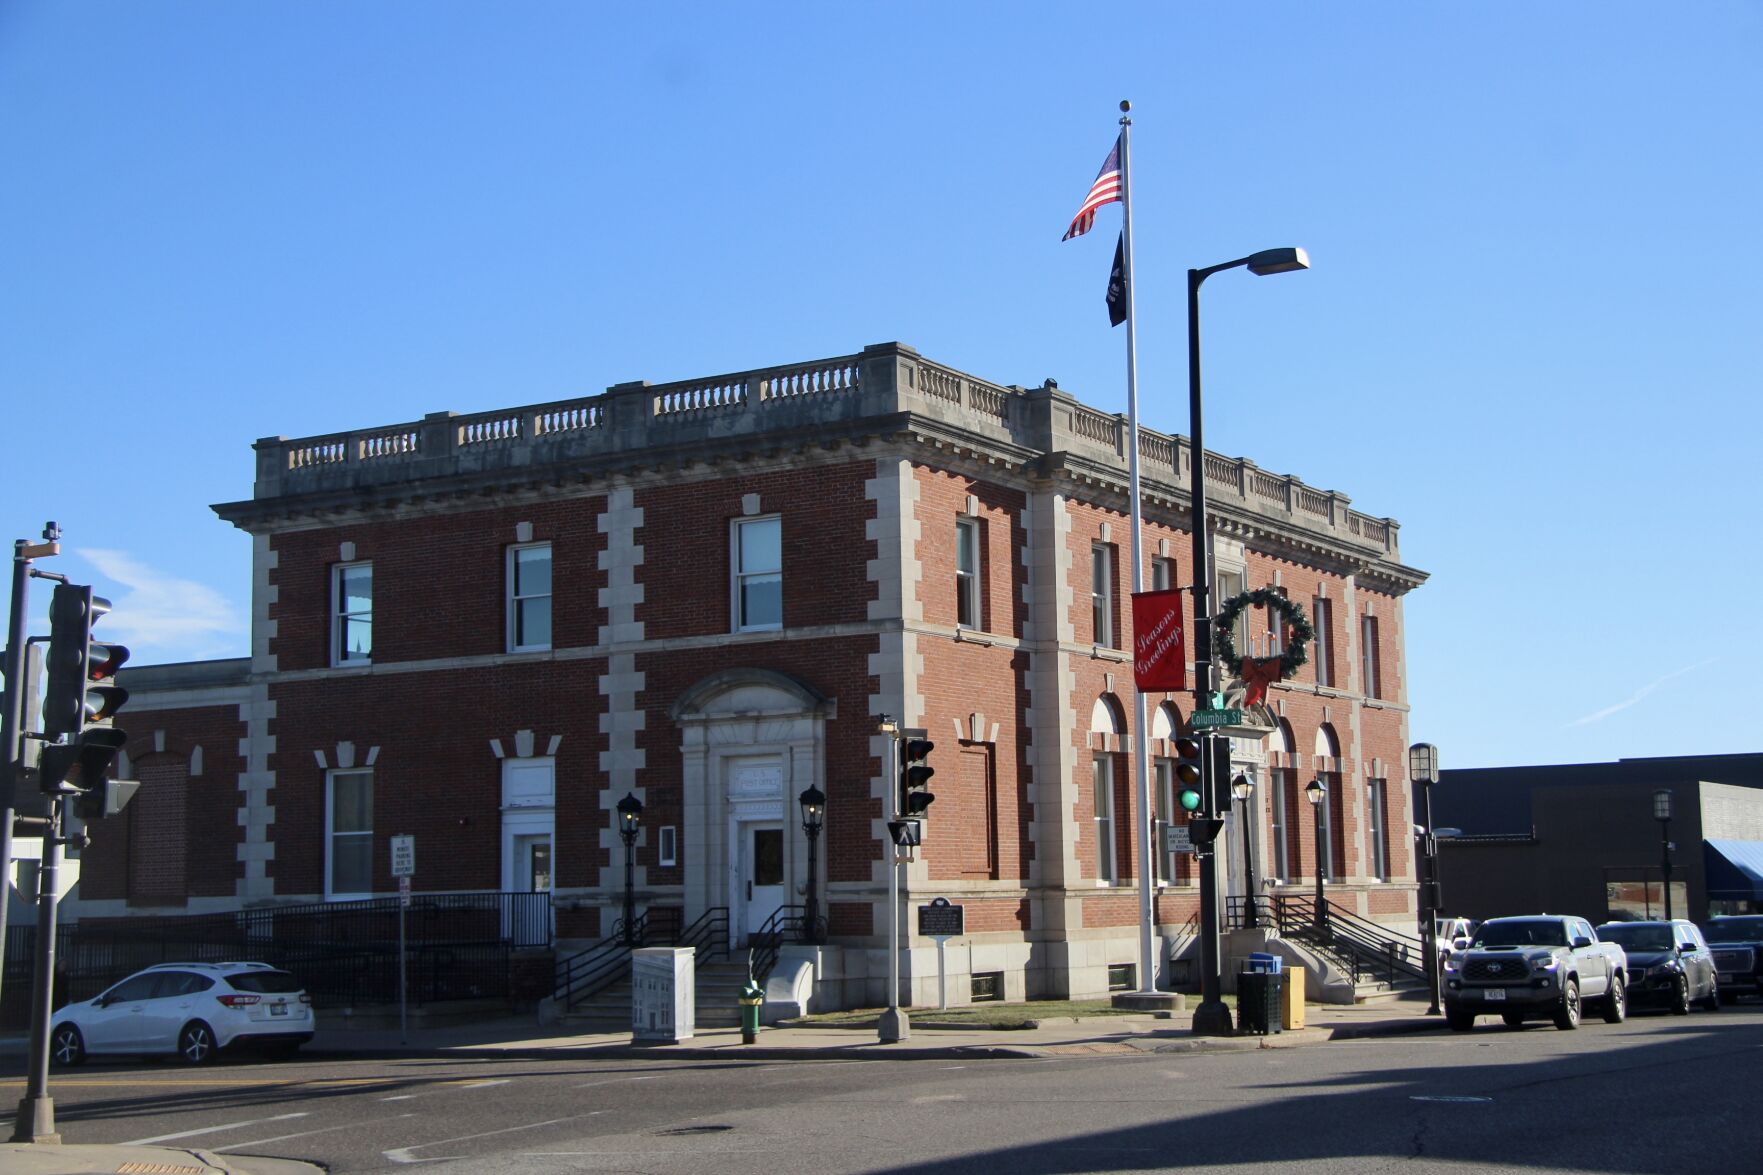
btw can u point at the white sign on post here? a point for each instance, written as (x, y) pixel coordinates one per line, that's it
(403, 856)
(404, 892)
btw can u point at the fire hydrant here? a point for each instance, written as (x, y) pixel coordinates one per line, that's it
(752, 995)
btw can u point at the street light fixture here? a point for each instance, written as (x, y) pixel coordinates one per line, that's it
(1662, 813)
(630, 819)
(1211, 1017)
(1423, 769)
(813, 802)
(1316, 791)
(1242, 788)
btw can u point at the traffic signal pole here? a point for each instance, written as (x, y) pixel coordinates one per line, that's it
(35, 1121)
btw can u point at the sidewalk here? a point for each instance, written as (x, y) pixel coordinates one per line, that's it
(512, 1037)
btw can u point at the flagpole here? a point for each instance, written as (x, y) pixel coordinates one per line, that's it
(1141, 743)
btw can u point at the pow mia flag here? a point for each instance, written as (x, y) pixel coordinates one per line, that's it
(1117, 284)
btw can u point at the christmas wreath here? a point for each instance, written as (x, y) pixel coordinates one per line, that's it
(1260, 672)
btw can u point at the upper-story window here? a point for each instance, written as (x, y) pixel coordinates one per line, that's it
(1377, 827)
(1162, 574)
(351, 613)
(1102, 594)
(758, 573)
(1368, 662)
(1322, 651)
(1229, 585)
(529, 597)
(967, 573)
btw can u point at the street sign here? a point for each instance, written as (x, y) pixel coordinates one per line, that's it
(403, 856)
(1176, 839)
(404, 891)
(1208, 719)
(940, 919)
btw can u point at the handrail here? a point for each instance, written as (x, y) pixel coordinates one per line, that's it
(708, 935)
(1359, 947)
(591, 971)
(764, 944)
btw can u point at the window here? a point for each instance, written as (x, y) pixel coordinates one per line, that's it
(1102, 594)
(1103, 774)
(1325, 863)
(1279, 865)
(1163, 793)
(668, 851)
(1162, 574)
(1377, 823)
(529, 598)
(1322, 651)
(1368, 657)
(349, 845)
(759, 574)
(1229, 585)
(352, 614)
(967, 583)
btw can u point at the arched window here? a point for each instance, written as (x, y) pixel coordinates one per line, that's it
(1172, 868)
(1107, 724)
(1331, 847)
(1282, 801)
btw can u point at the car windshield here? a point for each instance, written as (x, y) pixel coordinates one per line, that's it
(1521, 932)
(1734, 930)
(265, 982)
(1643, 936)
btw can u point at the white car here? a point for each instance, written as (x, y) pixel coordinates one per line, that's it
(191, 1010)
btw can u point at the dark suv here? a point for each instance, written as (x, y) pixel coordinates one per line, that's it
(1669, 966)
(1737, 943)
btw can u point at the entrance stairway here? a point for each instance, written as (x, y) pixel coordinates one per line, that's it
(717, 993)
(1379, 962)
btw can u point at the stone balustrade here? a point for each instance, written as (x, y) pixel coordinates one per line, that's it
(879, 383)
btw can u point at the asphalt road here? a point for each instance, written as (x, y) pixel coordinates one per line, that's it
(1657, 1094)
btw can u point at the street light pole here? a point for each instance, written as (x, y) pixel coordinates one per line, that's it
(1211, 1017)
(630, 819)
(813, 802)
(1316, 792)
(1243, 787)
(1662, 813)
(1423, 768)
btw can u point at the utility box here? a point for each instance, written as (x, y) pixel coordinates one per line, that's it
(1292, 997)
(663, 1006)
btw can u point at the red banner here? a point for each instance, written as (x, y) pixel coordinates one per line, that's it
(1160, 646)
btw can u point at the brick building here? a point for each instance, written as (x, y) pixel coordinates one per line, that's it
(485, 630)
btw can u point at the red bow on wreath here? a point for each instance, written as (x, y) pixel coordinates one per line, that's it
(1258, 674)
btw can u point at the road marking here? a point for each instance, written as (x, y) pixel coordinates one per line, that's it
(210, 1129)
(1442, 1097)
(951, 1068)
(400, 1097)
(402, 1154)
(620, 1081)
(486, 1081)
(233, 1146)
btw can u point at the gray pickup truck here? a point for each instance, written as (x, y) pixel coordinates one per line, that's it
(1537, 967)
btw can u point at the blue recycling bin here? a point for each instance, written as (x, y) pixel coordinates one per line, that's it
(1261, 963)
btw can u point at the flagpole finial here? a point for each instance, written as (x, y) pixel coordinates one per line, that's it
(1125, 106)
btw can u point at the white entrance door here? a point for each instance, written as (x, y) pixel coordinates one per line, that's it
(532, 863)
(762, 871)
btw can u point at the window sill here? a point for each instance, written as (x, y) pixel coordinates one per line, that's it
(972, 636)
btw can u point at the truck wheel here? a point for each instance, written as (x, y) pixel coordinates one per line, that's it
(1567, 1015)
(1616, 1002)
(1459, 1021)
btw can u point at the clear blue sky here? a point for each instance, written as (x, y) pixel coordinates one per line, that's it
(1531, 333)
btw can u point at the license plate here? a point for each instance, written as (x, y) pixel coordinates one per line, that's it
(282, 1009)
(1496, 993)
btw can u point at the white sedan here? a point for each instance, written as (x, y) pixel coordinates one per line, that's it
(189, 1010)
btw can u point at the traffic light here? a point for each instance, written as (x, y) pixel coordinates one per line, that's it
(79, 699)
(1187, 773)
(915, 774)
(75, 695)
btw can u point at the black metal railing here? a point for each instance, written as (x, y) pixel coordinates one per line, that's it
(1363, 949)
(587, 973)
(344, 953)
(787, 923)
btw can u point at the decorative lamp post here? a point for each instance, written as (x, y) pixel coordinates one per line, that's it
(1212, 1016)
(1316, 791)
(1242, 787)
(630, 820)
(1662, 813)
(1423, 769)
(813, 802)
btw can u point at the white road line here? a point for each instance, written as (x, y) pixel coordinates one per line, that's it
(402, 1154)
(210, 1129)
(487, 1081)
(620, 1081)
(948, 1068)
(233, 1146)
(399, 1097)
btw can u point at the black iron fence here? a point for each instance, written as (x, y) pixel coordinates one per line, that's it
(344, 953)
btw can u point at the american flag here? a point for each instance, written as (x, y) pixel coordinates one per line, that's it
(1106, 190)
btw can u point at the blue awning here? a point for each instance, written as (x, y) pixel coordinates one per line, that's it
(1734, 869)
